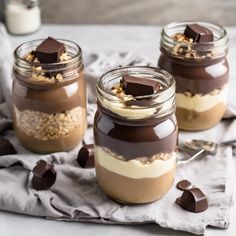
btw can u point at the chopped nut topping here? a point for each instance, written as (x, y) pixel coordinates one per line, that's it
(43, 126)
(118, 90)
(184, 47)
(38, 72)
(213, 93)
(65, 57)
(143, 160)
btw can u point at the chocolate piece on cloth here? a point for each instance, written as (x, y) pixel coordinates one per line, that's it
(44, 175)
(6, 148)
(50, 51)
(184, 184)
(198, 33)
(137, 86)
(193, 200)
(85, 157)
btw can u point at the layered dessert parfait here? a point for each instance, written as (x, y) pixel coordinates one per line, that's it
(49, 95)
(135, 134)
(195, 54)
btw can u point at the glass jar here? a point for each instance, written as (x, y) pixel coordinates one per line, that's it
(49, 115)
(22, 16)
(201, 72)
(135, 146)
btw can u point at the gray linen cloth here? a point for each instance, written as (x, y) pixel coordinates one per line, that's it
(75, 196)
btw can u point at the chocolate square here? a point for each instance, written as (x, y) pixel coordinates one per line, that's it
(50, 51)
(198, 33)
(193, 200)
(85, 157)
(6, 148)
(137, 86)
(44, 175)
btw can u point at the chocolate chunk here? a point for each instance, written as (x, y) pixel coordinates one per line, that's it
(44, 175)
(6, 148)
(193, 200)
(137, 86)
(50, 51)
(183, 184)
(139, 103)
(198, 33)
(85, 156)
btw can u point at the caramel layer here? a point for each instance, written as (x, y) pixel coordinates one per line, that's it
(52, 99)
(193, 121)
(65, 143)
(133, 191)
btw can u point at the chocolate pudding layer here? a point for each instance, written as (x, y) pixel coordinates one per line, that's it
(194, 120)
(134, 181)
(131, 139)
(196, 77)
(195, 54)
(49, 95)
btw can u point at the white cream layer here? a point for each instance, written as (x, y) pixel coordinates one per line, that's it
(129, 112)
(133, 168)
(201, 103)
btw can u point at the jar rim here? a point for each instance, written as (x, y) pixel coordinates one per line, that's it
(127, 69)
(70, 68)
(197, 51)
(223, 36)
(155, 101)
(71, 60)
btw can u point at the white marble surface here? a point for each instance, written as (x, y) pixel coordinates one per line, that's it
(145, 41)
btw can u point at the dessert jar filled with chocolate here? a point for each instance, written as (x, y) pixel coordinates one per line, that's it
(135, 134)
(195, 54)
(49, 95)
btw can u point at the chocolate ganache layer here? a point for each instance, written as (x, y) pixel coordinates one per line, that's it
(132, 140)
(199, 77)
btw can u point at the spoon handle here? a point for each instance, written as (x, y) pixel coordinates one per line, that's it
(195, 156)
(227, 143)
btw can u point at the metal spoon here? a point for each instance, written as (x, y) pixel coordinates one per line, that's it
(209, 147)
(184, 156)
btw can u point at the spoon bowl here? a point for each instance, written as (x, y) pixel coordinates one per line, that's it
(209, 147)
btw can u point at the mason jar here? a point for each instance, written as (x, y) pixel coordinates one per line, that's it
(49, 114)
(135, 145)
(202, 74)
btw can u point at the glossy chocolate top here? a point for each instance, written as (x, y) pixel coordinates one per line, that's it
(132, 140)
(200, 78)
